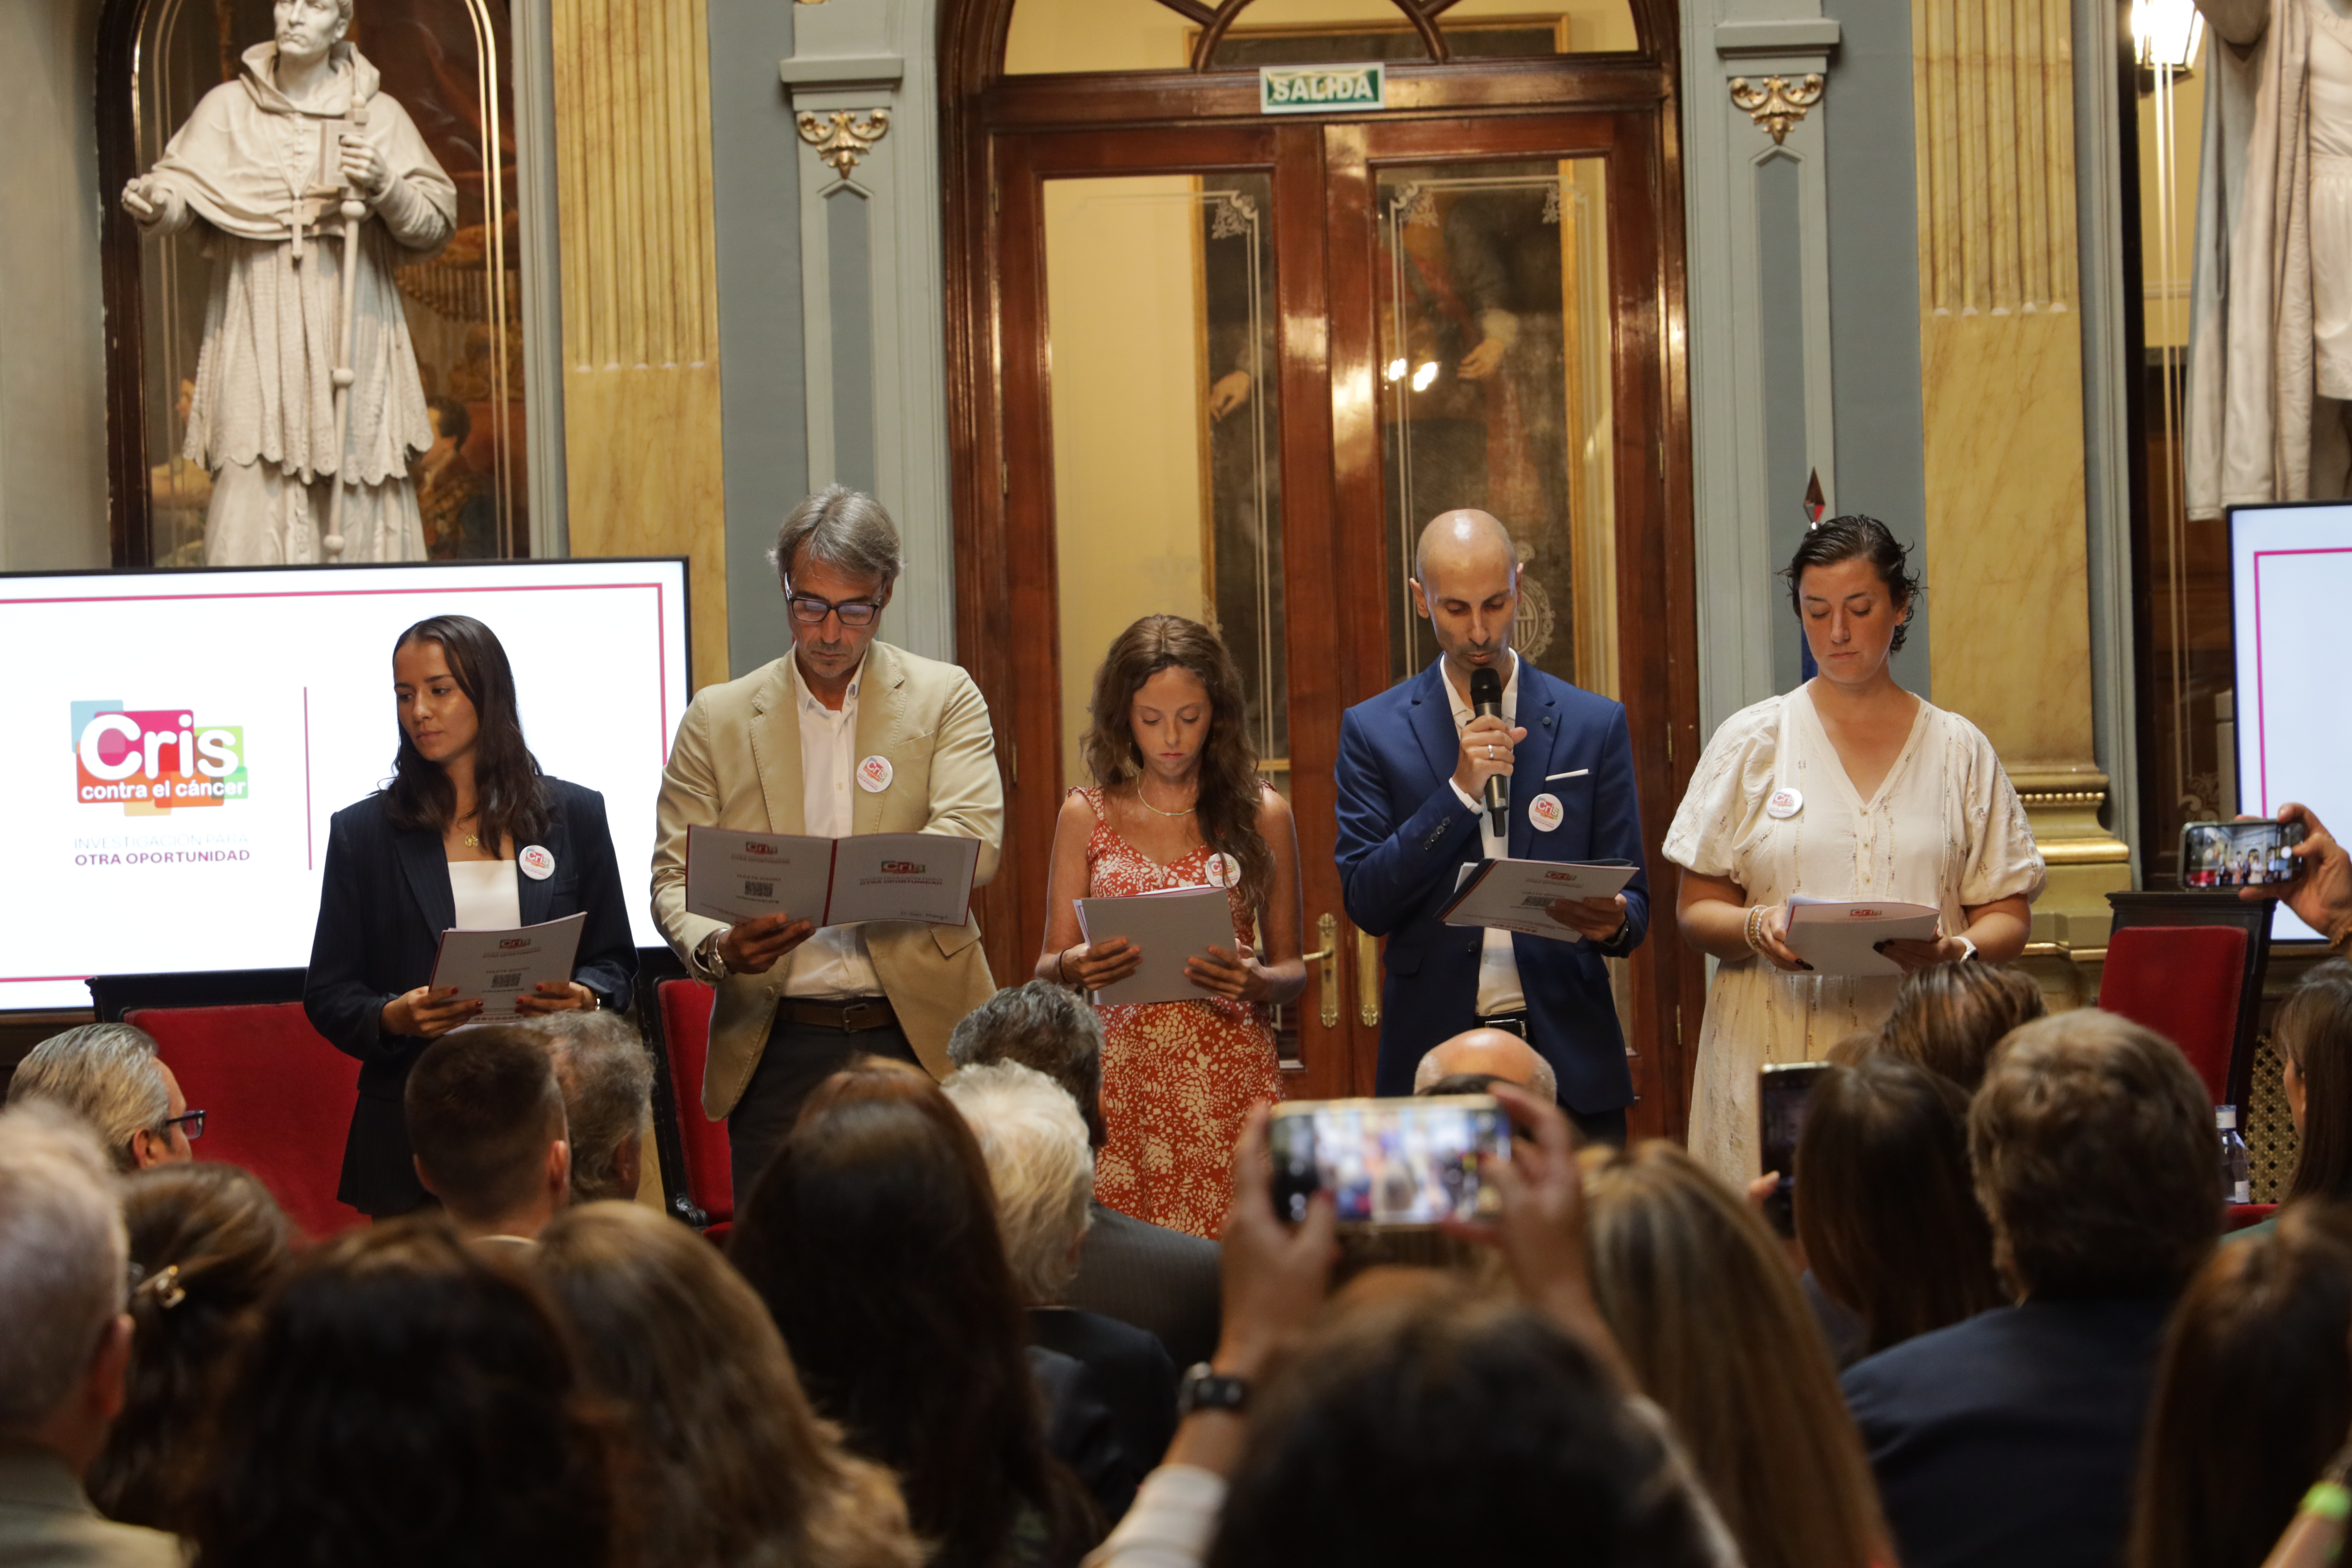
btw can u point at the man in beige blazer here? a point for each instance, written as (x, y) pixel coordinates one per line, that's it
(846, 735)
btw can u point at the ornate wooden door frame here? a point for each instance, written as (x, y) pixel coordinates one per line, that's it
(1003, 564)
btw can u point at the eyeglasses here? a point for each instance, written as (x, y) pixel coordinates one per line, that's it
(809, 610)
(193, 1122)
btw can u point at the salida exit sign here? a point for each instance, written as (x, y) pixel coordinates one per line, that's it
(1321, 89)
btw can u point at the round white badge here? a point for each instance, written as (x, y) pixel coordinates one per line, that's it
(1784, 805)
(1225, 872)
(1545, 813)
(536, 862)
(874, 774)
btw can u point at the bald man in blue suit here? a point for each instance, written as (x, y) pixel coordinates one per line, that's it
(1414, 763)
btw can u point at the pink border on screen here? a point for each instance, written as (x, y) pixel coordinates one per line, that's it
(2261, 726)
(661, 651)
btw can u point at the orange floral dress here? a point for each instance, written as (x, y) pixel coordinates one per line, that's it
(1178, 1078)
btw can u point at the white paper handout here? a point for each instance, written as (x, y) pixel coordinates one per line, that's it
(1516, 895)
(920, 876)
(1839, 936)
(496, 966)
(1168, 926)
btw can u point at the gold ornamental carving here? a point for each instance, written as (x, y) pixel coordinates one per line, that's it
(1776, 105)
(844, 136)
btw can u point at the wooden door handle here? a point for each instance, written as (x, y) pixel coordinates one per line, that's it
(1326, 961)
(1367, 979)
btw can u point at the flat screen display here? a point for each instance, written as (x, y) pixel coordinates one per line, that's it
(2290, 593)
(182, 738)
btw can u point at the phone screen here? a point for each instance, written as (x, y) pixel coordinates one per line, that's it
(1781, 1088)
(2239, 854)
(1388, 1162)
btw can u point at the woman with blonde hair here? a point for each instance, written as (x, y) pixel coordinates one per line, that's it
(734, 1469)
(1702, 1303)
(1177, 801)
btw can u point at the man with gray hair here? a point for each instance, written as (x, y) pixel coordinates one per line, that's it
(1160, 1281)
(65, 1345)
(607, 1080)
(1042, 1174)
(109, 1075)
(846, 734)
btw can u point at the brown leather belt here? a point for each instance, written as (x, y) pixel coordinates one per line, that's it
(855, 1016)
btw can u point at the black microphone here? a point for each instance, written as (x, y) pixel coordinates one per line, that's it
(1486, 697)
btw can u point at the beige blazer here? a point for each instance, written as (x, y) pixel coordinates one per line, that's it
(46, 1521)
(737, 763)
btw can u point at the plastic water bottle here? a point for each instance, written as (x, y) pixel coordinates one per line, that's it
(2237, 1186)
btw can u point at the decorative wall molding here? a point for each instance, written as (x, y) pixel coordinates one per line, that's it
(844, 136)
(540, 256)
(873, 317)
(1776, 105)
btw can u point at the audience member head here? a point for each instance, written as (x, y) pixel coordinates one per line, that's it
(486, 1121)
(1039, 1166)
(608, 1079)
(1432, 1426)
(406, 1398)
(1832, 550)
(2094, 1157)
(1948, 1017)
(872, 1237)
(1168, 704)
(2313, 1036)
(1491, 1053)
(62, 1270)
(1885, 1205)
(109, 1075)
(207, 1242)
(2252, 1396)
(1043, 1026)
(1700, 1298)
(733, 1466)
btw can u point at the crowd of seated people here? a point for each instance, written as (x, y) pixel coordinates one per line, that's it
(2005, 1332)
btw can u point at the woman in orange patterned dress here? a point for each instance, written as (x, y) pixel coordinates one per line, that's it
(1177, 801)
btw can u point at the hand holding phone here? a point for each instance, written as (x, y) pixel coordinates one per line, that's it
(1781, 1088)
(1390, 1163)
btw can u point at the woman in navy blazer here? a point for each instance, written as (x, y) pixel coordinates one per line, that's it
(464, 791)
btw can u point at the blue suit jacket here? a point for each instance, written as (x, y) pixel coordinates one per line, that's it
(1404, 836)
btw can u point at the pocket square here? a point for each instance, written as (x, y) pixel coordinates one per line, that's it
(1571, 774)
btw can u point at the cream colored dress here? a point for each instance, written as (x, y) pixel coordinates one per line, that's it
(1945, 828)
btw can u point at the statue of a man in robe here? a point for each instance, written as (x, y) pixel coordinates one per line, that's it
(2270, 355)
(264, 164)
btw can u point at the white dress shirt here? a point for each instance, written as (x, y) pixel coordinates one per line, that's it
(1498, 965)
(833, 962)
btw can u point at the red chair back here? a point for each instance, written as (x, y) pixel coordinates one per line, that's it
(277, 1097)
(2185, 982)
(685, 1007)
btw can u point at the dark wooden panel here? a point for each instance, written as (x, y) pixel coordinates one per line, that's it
(1183, 99)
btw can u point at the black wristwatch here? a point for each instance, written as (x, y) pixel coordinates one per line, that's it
(1205, 1388)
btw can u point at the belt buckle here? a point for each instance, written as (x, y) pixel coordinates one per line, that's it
(857, 1016)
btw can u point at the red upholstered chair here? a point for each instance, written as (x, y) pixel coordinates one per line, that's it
(685, 1007)
(2238, 1217)
(2185, 982)
(277, 1097)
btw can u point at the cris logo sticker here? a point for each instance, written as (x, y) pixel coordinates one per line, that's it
(155, 760)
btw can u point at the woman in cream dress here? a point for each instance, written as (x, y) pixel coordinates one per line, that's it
(1848, 787)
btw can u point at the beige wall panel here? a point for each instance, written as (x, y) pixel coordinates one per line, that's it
(641, 422)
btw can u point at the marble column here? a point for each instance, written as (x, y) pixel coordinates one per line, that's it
(641, 389)
(2000, 339)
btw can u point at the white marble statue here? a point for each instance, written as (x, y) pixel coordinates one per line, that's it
(266, 163)
(2270, 357)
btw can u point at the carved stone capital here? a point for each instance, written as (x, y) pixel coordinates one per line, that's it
(1776, 105)
(844, 136)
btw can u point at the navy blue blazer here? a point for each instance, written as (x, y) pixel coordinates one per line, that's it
(1404, 837)
(382, 910)
(2011, 1440)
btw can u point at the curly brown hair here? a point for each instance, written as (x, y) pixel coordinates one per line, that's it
(1231, 790)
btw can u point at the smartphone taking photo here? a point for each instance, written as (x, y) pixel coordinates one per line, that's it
(1782, 1090)
(1390, 1164)
(2240, 854)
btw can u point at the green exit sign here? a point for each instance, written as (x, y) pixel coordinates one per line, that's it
(1321, 89)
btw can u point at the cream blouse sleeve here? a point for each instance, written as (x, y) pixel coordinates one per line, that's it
(2002, 861)
(1728, 789)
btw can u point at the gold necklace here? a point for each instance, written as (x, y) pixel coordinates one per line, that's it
(1155, 810)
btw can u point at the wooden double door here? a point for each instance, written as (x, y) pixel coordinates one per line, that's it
(1226, 369)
